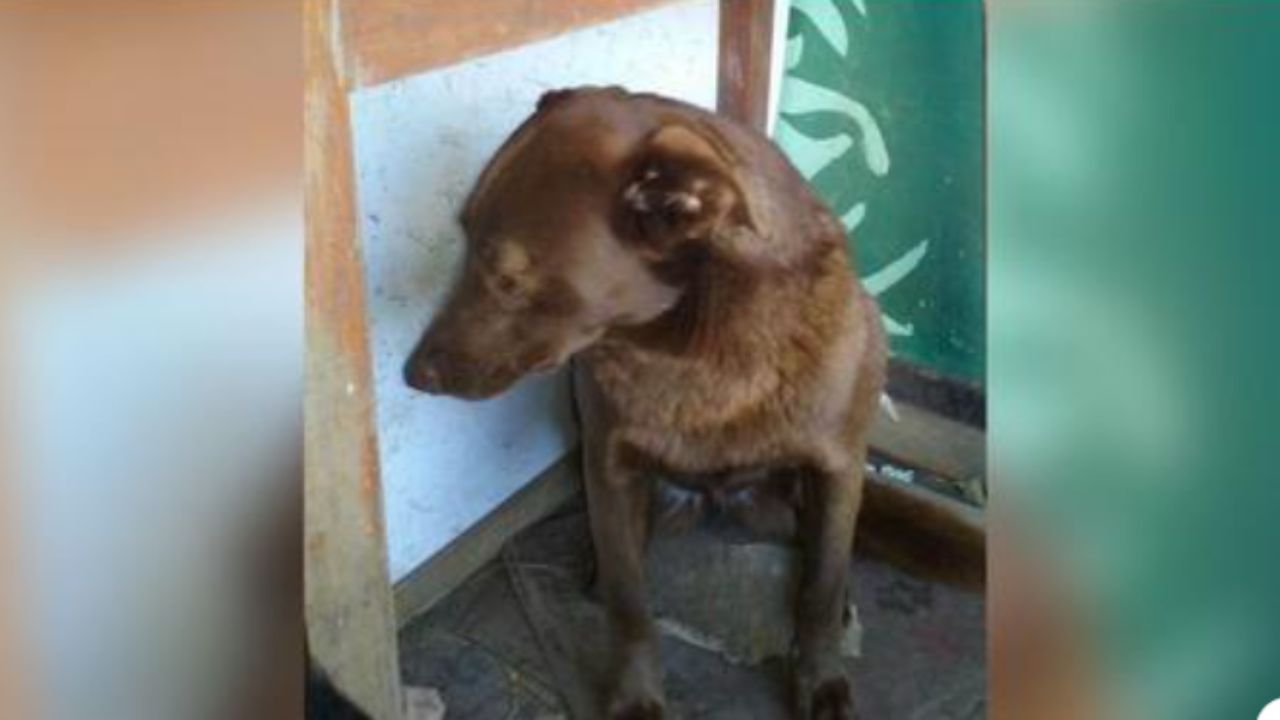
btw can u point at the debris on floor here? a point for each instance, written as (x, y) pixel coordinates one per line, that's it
(423, 703)
(735, 597)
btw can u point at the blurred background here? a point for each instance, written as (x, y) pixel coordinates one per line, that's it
(1132, 358)
(151, 217)
(150, 212)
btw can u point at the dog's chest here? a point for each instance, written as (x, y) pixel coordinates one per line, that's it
(689, 421)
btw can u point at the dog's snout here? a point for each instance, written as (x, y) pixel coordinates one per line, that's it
(423, 371)
(422, 377)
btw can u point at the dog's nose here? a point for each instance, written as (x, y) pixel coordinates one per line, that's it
(422, 378)
(422, 375)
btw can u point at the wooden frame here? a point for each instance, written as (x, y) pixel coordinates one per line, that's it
(348, 609)
(387, 39)
(746, 37)
(352, 612)
(950, 397)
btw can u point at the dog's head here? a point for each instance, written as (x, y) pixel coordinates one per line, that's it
(571, 231)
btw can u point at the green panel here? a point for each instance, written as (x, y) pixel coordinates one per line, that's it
(881, 107)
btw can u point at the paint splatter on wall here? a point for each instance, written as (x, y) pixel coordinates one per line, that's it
(881, 107)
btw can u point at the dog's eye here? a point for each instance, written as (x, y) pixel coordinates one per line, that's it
(511, 292)
(506, 285)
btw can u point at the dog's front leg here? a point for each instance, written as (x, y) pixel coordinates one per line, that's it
(618, 505)
(831, 501)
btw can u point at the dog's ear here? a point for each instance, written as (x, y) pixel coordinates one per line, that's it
(551, 98)
(685, 187)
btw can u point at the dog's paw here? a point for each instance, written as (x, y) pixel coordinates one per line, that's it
(829, 698)
(637, 694)
(642, 709)
(833, 700)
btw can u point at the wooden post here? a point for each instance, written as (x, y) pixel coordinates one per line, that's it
(351, 625)
(746, 36)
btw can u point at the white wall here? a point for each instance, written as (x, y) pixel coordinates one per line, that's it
(420, 142)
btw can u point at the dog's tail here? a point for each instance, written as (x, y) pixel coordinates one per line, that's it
(922, 532)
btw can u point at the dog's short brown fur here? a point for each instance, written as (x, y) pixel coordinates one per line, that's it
(723, 342)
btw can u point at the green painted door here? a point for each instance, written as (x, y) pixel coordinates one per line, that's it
(881, 107)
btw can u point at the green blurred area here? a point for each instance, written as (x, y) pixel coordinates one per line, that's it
(1133, 292)
(911, 72)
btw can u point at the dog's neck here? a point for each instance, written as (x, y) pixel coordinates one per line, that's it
(727, 309)
(737, 339)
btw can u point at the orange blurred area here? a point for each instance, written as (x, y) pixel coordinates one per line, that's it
(121, 115)
(150, 325)
(1042, 661)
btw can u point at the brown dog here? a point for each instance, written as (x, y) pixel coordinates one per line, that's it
(720, 329)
